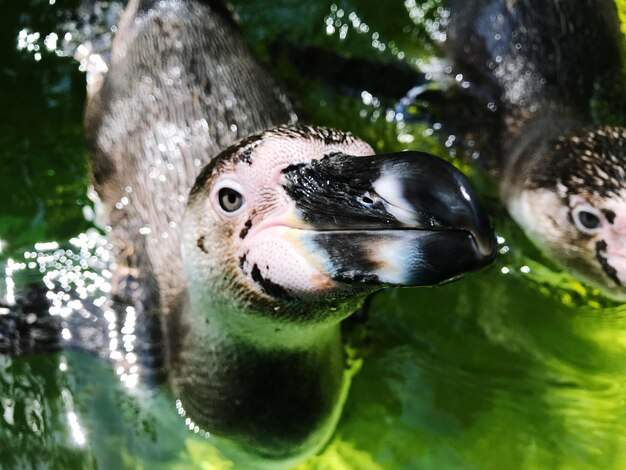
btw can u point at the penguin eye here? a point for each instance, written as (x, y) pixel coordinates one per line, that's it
(230, 200)
(587, 219)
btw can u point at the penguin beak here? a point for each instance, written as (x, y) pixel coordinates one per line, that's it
(403, 219)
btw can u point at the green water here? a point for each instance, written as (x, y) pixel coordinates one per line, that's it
(519, 366)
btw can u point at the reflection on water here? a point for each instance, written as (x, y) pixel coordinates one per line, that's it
(518, 364)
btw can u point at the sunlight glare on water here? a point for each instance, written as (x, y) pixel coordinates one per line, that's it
(520, 364)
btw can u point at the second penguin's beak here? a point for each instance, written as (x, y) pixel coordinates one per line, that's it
(403, 219)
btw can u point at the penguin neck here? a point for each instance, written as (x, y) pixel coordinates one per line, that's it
(259, 328)
(279, 390)
(529, 135)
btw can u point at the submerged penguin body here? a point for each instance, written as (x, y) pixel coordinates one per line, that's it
(177, 92)
(251, 253)
(561, 177)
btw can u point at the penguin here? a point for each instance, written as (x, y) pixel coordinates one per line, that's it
(249, 237)
(561, 177)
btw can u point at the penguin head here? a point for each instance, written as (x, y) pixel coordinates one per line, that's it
(300, 223)
(574, 205)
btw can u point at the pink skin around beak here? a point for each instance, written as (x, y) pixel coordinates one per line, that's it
(611, 242)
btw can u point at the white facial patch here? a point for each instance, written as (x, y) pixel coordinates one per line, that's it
(532, 210)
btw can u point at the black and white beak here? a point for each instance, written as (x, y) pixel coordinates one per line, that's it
(403, 219)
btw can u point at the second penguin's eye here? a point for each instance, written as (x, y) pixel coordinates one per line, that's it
(587, 219)
(230, 200)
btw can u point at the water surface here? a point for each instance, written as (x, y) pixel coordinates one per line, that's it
(518, 365)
